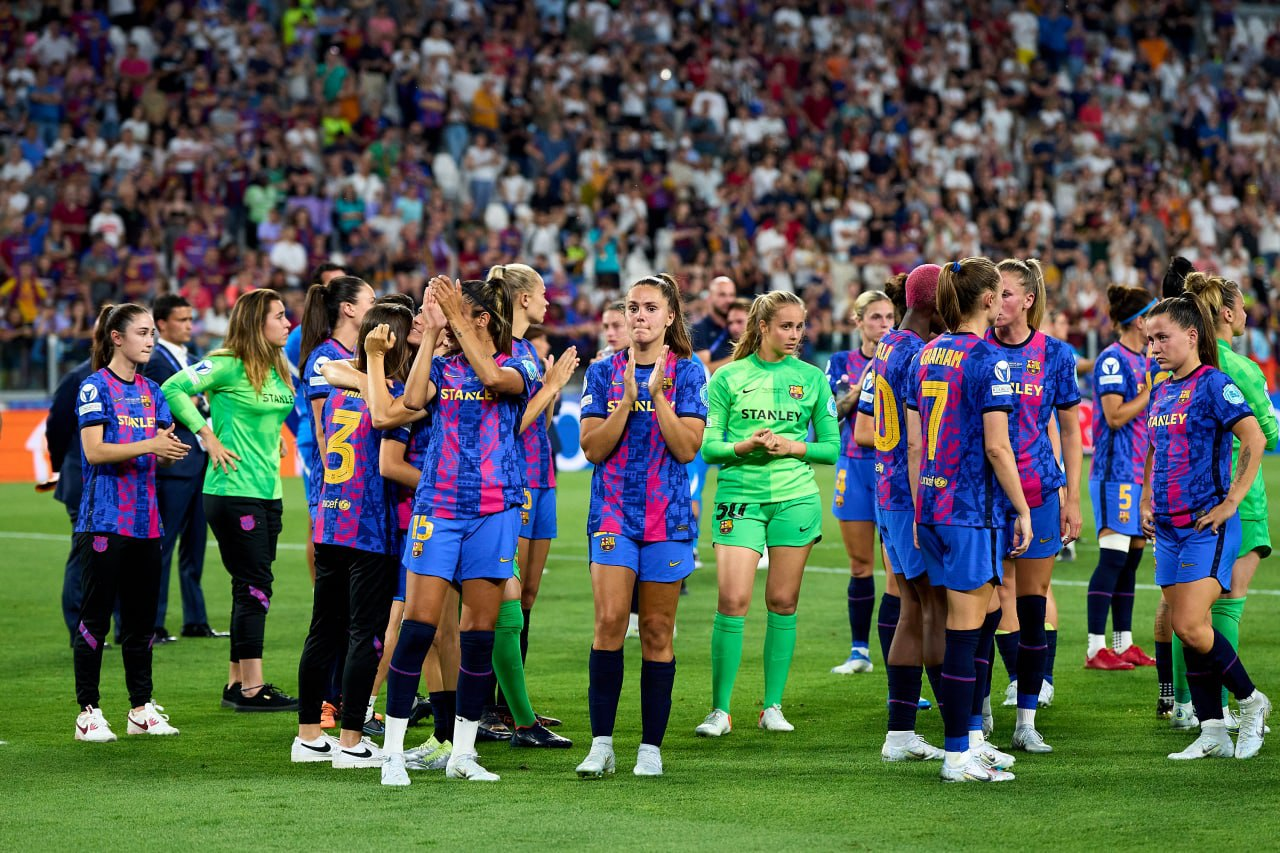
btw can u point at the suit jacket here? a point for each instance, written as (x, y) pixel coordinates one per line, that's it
(62, 435)
(161, 366)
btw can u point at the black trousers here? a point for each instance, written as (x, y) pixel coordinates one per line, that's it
(182, 513)
(351, 607)
(247, 530)
(114, 567)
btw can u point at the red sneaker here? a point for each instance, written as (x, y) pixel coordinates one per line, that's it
(1106, 659)
(1136, 656)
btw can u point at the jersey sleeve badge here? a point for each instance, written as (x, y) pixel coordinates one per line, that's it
(1231, 393)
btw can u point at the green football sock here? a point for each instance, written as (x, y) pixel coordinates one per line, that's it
(507, 664)
(726, 657)
(1225, 614)
(779, 649)
(1181, 692)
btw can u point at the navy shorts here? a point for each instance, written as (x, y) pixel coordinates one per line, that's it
(653, 562)
(1184, 554)
(538, 514)
(855, 496)
(1046, 529)
(1115, 506)
(463, 549)
(896, 536)
(962, 558)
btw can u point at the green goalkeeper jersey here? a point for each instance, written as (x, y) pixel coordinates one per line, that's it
(785, 397)
(245, 421)
(1248, 376)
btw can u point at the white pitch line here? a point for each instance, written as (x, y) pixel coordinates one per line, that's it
(820, 570)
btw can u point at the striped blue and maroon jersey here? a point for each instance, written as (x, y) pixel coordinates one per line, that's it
(1190, 421)
(355, 506)
(473, 464)
(845, 370)
(640, 490)
(1119, 454)
(540, 469)
(884, 402)
(121, 497)
(1043, 374)
(958, 378)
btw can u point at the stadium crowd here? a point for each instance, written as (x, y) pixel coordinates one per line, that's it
(209, 148)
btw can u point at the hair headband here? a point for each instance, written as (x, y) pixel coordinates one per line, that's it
(1144, 310)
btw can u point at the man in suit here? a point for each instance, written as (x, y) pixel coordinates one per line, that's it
(62, 435)
(179, 486)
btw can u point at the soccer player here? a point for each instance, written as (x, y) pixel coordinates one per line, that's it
(1042, 374)
(911, 623)
(125, 429)
(963, 394)
(1224, 302)
(1121, 389)
(760, 409)
(1189, 506)
(466, 510)
(643, 414)
(537, 512)
(356, 561)
(854, 502)
(247, 386)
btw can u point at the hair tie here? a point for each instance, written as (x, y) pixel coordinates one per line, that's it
(955, 266)
(1144, 310)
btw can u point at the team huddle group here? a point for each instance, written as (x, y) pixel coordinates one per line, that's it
(431, 486)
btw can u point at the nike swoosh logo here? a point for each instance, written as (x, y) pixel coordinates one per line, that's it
(1188, 565)
(750, 390)
(368, 753)
(324, 748)
(142, 724)
(84, 730)
(1046, 539)
(505, 559)
(805, 529)
(671, 565)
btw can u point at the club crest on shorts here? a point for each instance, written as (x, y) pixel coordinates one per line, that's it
(607, 542)
(796, 391)
(417, 549)
(100, 544)
(248, 522)
(726, 525)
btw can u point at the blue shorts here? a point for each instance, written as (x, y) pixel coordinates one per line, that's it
(402, 582)
(697, 471)
(653, 562)
(538, 514)
(896, 536)
(1184, 554)
(1115, 506)
(463, 549)
(1046, 529)
(855, 496)
(305, 452)
(962, 558)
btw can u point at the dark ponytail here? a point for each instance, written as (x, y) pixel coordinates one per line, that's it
(112, 318)
(960, 286)
(1188, 313)
(677, 338)
(1127, 304)
(400, 320)
(494, 298)
(320, 311)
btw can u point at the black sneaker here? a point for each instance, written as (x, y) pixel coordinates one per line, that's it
(420, 711)
(373, 727)
(162, 637)
(231, 695)
(491, 727)
(549, 722)
(268, 699)
(204, 631)
(538, 736)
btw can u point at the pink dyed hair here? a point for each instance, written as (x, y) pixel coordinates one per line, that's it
(922, 285)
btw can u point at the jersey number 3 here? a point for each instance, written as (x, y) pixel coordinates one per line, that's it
(347, 423)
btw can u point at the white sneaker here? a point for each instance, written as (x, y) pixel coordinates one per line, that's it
(1212, 743)
(320, 750)
(600, 762)
(993, 757)
(771, 720)
(1184, 716)
(648, 761)
(972, 769)
(633, 627)
(394, 774)
(1027, 739)
(92, 727)
(1046, 694)
(432, 755)
(1230, 720)
(716, 724)
(363, 754)
(911, 748)
(858, 661)
(1253, 717)
(150, 721)
(468, 767)
(1010, 695)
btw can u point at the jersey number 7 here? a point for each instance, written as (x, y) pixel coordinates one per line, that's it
(932, 388)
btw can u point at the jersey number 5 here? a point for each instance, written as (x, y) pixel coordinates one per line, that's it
(932, 388)
(347, 423)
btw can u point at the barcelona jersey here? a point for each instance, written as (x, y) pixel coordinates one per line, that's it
(957, 379)
(847, 370)
(355, 505)
(640, 490)
(414, 437)
(1042, 372)
(1190, 421)
(540, 469)
(121, 497)
(884, 402)
(1119, 454)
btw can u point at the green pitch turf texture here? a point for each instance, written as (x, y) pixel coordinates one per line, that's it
(226, 781)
